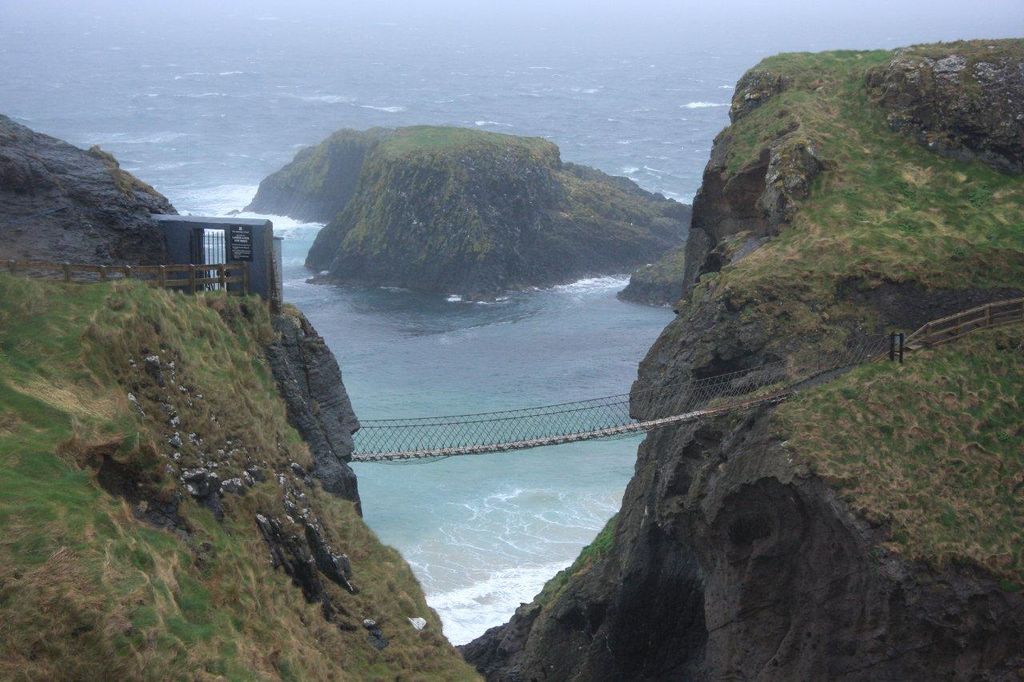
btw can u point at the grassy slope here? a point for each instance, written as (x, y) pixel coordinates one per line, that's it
(934, 447)
(886, 209)
(944, 472)
(87, 591)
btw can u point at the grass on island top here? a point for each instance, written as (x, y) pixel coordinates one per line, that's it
(418, 139)
(884, 209)
(88, 591)
(933, 447)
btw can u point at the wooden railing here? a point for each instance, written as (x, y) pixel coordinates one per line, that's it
(947, 329)
(232, 277)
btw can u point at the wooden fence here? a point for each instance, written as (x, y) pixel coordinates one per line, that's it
(231, 277)
(949, 328)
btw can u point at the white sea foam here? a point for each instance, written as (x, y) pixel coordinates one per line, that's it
(468, 611)
(725, 87)
(593, 284)
(326, 99)
(389, 109)
(493, 123)
(216, 200)
(454, 298)
(703, 105)
(541, 68)
(125, 138)
(629, 170)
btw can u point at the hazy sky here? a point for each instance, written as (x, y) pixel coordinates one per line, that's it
(838, 23)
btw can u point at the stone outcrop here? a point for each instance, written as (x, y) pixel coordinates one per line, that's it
(659, 283)
(319, 182)
(964, 100)
(754, 201)
(452, 210)
(62, 203)
(309, 380)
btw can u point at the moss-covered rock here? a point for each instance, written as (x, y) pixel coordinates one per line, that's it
(464, 211)
(963, 99)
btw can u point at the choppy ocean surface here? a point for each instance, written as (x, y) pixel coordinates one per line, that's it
(203, 102)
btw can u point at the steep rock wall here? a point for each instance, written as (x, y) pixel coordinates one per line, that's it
(310, 383)
(62, 203)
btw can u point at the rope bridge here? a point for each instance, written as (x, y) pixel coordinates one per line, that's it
(669, 404)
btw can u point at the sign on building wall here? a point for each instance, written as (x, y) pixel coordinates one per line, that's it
(239, 243)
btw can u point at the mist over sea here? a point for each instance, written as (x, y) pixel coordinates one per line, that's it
(203, 102)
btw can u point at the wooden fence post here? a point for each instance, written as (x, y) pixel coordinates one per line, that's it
(221, 283)
(192, 279)
(67, 272)
(103, 273)
(127, 272)
(12, 265)
(245, 280)
(162, 277)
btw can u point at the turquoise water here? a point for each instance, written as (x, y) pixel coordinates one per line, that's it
(484, 532)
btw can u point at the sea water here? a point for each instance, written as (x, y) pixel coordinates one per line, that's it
(204, 101)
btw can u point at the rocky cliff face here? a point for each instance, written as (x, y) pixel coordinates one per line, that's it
(965, 100)
(61, 203)
(740, 550)
(320, 180)
(310, 383)
(462, 211)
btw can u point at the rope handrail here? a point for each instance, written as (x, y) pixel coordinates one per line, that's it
(669, 403)
(665, 404)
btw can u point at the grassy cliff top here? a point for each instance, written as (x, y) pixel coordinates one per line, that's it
(88, 590)
(885, 208)
(934, 448)
(450, 140)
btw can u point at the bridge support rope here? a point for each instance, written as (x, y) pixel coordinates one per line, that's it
(425, 438)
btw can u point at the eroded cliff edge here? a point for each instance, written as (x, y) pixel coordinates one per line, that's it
(61, 203)
(865, 530)
(469, 212)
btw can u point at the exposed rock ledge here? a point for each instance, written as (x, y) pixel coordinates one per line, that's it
(309, 380)
(62, 203)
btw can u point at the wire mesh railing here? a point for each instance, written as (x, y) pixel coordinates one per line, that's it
(609, 416)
